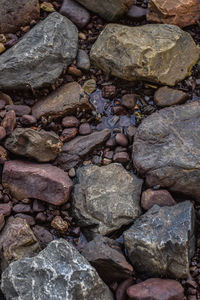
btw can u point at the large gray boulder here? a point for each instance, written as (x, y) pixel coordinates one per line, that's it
(57, 272)
(163, 54)
(161, 242)
(166, 149)
(42, 146)
(108, 9)
(40, 56)
(105, 199)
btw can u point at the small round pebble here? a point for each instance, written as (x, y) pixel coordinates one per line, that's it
(70, 121)
(85, 129)
(121, 139)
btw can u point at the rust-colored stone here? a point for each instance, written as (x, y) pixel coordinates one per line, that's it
(9, 121)
(180, 13)
(151, 197)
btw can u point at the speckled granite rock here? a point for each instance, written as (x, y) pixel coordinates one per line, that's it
(159, 53)
(39, 58)
(58, 272)
(161, 242)
(105, 199)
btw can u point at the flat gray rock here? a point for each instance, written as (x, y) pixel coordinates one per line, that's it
(39, 58)
(58, 272)
(105, 199)
(161, 242)
(166, 149)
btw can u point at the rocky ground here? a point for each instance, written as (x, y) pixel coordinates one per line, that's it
(100, 149)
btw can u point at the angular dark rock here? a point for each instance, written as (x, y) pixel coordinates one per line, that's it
(43, 236)
(40, 56)
(42, 145)
(59, 271)
(17, 241)
(166, 149)
(75, 150)
(161, 242)
(17, 13)
(151, 197)
(41, 181)
(106, 256)
(64, 101)
(105, 199)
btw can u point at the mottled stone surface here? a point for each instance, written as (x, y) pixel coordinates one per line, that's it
(17, 13)
(40, 56)
(64, 101)
(156, 289)
(75, 150)
(166, 149)
(32, 180)
(105, 199)
(166, 96)
(180, 13)
(106, 256)
(158, 53)
(161, 242)
(108, 9)
(42, 146)
(17, 240)
(59, 272)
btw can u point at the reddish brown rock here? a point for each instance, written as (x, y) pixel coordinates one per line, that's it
(121, 139)
(43, 236)
(156, 289)
(70, 121)
(29, 219)
(28, 120)
(85, 129)
(64, 101)
(78, 148)
(121, 290)
(2, 133)
(166, 96)
(2, 221)
(160, 197)
(22, 208)
(129, 101)
(9, 121)
(121, 157)
(68, 134)
(19, 110)
(5, 209)
(41, 181)
(180, 13)
(109, 91)
(60, 225)
(107, 257)
(17, 241)
(15, 14)
(3, 155)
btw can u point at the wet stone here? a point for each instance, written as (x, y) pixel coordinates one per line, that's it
(85, 129)
(106, 256)
(59, 267)
(156, 289)
(41, 181)
(105, 199)
(83, 60)
(70, 121)
(75, 12)
(68, 134)
(151, 197)
(19, 110)
(42, 146)
(161, 242)
(166, 96)
(16, 241)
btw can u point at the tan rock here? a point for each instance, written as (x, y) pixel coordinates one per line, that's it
(108, 9)
(159, 53)
(64, 101)
(17, 241)
(17, 13)
(166, 96)
(59, 225)
(179, 12)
